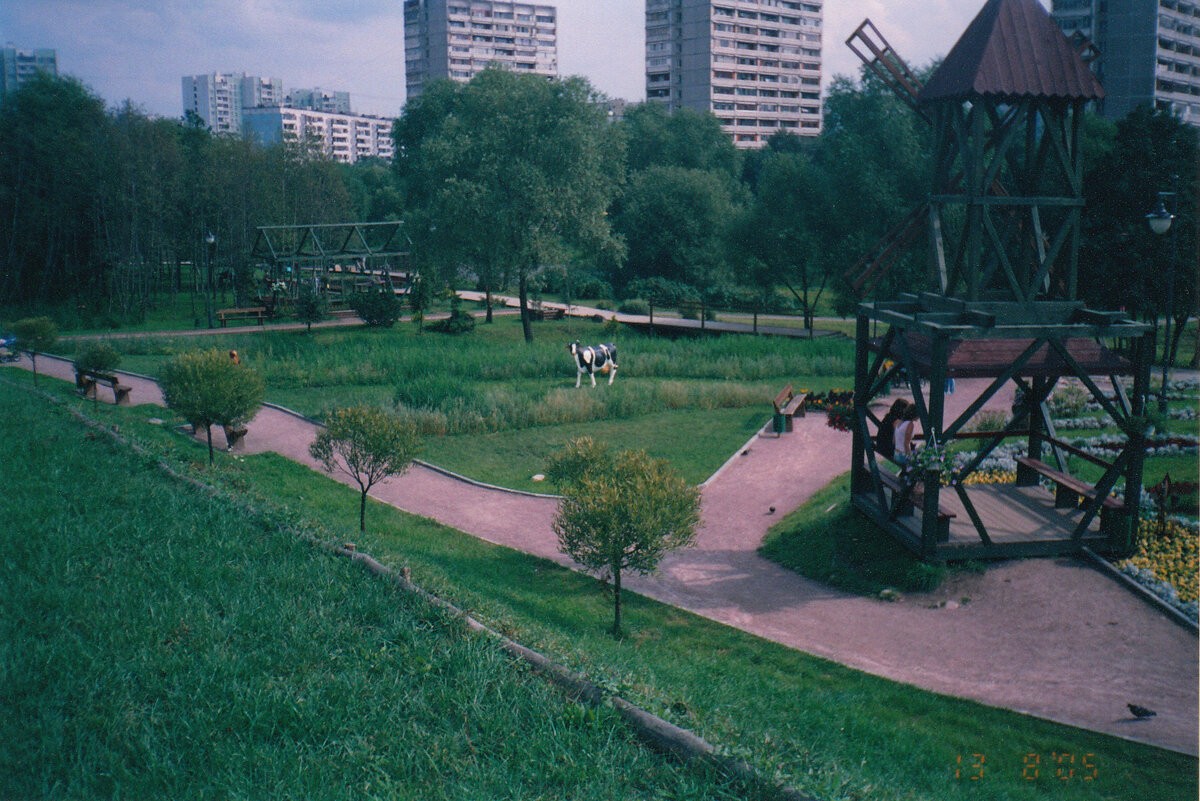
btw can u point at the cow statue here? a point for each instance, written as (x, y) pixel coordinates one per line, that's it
(592, 358)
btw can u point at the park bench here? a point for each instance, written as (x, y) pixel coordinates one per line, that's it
(539, 312)
(234, 436)
(787, 406)
(258, 313)
(86, 381)
(905, 509)
(1069, 491)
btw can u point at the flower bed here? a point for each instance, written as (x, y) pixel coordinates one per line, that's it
(1167, 562)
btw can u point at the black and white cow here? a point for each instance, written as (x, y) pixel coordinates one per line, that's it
(592, 358)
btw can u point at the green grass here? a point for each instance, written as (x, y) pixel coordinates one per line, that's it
(833, 732)
(158, 644)
(696, 443)
(841, 547)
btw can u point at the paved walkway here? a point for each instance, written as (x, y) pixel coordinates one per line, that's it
(1050, 637)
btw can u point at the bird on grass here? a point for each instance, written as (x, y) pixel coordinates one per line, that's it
(1140, 712)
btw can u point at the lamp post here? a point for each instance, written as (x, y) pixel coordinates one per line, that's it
(211, 242)
(1160, 221)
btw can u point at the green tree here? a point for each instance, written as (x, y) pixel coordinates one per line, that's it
(1121, 263)
(35, 334)
(206, 388)
(310, 307)
(378, 308)
(620, 511)
(368, 446)
(675, 222)
(517, 164)
(691, 140)
(98, 357)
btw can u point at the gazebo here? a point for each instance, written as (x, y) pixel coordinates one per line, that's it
(1003, 222)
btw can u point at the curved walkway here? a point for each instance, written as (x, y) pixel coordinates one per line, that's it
(1053, 638)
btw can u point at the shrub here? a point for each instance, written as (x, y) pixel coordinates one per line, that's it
(634, 306)
(98, 356)
(459, 321)
(310, 307)
(1068, 402)
(988, 420)
(377, 308)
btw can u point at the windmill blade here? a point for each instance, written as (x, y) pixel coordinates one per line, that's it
(880, 258)
(885, 63)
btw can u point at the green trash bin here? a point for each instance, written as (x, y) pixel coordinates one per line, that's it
(779, 422)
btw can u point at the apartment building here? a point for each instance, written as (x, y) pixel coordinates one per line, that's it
(755, 64)
(348, 138)
(219, 98)
(18, 66)
(319, 100)
(1148, 52)
(457, 39)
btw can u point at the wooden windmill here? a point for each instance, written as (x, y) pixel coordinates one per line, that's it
(1003, 219)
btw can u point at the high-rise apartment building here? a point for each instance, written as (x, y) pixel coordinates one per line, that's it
(756, 64)
(18, 66)
(319, 100)
(1148, 52)
(218, 98)
(348, 138)
(458, 38)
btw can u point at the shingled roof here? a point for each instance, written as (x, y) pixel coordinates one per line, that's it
(1012, 49)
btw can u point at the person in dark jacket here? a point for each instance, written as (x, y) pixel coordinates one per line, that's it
(885, 437)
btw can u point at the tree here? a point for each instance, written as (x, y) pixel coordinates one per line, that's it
(34, 334)
(310, 307)
(516, 164)
(684, 138)
(378, 308)
(206, 388)
(621, 511)
(1121, 263)
(675, 221)
(98, 357)
(368, 446)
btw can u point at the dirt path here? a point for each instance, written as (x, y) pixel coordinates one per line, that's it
(1050, 637)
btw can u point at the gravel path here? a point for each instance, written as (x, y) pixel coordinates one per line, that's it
(1054, 638)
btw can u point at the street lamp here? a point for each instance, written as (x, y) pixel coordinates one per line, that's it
(211, 242)
(1160, 221)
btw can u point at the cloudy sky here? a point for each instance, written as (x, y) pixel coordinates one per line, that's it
(139, 49)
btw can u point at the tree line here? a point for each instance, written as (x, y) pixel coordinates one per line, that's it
(514, 182)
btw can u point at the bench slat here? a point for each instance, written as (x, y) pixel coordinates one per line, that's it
(1070, 482)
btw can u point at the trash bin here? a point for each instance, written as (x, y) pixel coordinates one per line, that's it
(779, 422)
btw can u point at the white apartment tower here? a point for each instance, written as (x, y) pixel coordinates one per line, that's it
(347, 138)
(755, 64)
(218, 98)
(1148, 52)
(458, 38)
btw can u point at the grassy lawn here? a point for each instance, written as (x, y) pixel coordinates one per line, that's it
(830, 731)
(695, 442)
(692, 401)
(160, 644)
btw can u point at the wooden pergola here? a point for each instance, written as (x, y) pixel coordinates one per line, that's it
(345, 257)
(1003, 222)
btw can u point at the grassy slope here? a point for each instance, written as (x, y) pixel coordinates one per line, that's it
(157, 644)
(834, 732)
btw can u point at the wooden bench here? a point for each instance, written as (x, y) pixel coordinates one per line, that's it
(234, 436)
(539, 312)
(905, 509)
(258, 313)
(788, 405)
(1069, 491)
(86, 381)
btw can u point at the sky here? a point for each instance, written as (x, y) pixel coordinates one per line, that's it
(139, 50)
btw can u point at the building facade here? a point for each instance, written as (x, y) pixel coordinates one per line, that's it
(18, 66)
(219, 98)
(1148, 52)
(348, 138)
(755, 64)
(319, 100)
(457, 39)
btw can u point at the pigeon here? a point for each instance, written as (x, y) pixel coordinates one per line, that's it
(1140, 712)
(746, 452)
(771, 511)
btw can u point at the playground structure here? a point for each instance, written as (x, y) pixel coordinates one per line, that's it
(1002, 221)
(334, 260)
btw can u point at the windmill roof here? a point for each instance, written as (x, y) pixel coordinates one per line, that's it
(1012, 48)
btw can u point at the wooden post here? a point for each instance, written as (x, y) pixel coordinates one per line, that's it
(858, 480)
